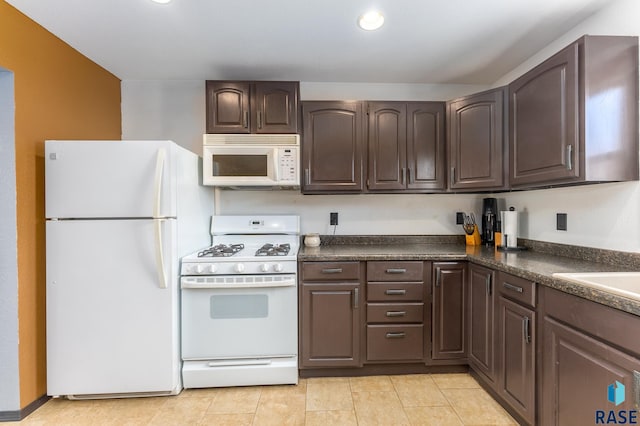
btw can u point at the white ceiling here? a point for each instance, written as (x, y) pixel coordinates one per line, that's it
(422, 41)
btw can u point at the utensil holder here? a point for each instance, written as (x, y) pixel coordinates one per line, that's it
(474, 239)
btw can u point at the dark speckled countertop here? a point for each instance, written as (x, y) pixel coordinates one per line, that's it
(536, 264)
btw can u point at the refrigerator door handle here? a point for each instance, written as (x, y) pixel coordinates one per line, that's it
(158, 181)
(159, 254)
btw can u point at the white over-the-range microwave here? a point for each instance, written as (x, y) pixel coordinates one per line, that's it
(251, 160)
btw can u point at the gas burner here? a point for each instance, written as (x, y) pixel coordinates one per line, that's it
(274, 250)
(221, 250)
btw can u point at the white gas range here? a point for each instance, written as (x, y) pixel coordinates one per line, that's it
(240, 304)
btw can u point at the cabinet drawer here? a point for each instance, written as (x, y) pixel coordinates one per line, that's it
(395, 312)
(517, 289)
(330, 271)
(394, 271)
(394, 343)
(394, 292)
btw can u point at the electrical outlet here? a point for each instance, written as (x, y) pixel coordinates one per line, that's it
(459, 218)
(561, 221)
(333, 218)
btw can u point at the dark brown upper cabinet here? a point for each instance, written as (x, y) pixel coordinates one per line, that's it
(252, 107)
(477, 150)
(332, 146)
(574, 118)
(406, 148)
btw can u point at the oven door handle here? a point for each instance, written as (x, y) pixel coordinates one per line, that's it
(200, 282)
(239, 363)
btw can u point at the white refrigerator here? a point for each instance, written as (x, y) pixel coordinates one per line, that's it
(119, 215)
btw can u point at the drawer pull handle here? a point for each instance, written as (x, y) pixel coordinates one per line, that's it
(396, 313)
(332, 271)
(397, 335)
(513, 287)
(396, 271)
(393, 292)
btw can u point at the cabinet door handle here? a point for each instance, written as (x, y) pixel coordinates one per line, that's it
(438, 276)
(525, 330)
(396, 313)
(356, 298)
(394, 292)
(332, 271)
(245, 119)
(396, 271)
(307, 177)
(569, 149)
(488, 284)
(259, 119)
(513, 287)
(396, 335)
(453, 175)
(404, 175)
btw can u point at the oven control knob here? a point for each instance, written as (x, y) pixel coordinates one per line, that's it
(264, 267)
(239, 267)
(212, 269)
(197, 269)
(278, 267)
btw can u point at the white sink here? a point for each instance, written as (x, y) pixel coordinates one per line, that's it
(626, 284)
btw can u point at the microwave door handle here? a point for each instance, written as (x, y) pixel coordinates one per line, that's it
(160, 158)
(276, 171)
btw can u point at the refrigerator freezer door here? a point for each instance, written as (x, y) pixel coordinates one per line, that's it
(111, 326)
(100, 179)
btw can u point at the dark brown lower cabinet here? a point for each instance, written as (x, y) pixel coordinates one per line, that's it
(396, 311)
(588, 349)
(450, 307)
(516, 343)
(481, 321)
(331, 313)
(330, 325)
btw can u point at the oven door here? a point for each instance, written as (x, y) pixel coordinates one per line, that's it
(238, 317)
(239, 165)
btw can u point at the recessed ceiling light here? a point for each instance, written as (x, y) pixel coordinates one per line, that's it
(371, 20)
(161, 1)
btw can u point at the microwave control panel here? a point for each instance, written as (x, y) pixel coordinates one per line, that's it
(288, 164)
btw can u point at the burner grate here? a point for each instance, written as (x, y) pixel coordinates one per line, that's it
(221, 250)
(274, 250)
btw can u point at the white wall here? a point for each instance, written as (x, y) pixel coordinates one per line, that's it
(361, 214)
(603, 216)
(173, 110)
(9, 373)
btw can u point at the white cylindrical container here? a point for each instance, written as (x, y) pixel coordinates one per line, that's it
(509, 228)
(312, 240)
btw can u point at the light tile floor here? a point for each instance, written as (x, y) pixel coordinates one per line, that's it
(420, 399)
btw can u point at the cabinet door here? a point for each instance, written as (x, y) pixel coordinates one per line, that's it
(543, 121)
(426, 146)
(577, 373)
(330, 325)
(476, 142)
(275, 107)
(227, 107)
(516, 341)
(481, 325)
(332, 146)
(449, 311)
(387, 145)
